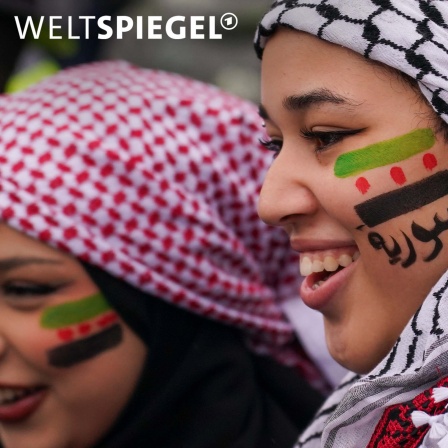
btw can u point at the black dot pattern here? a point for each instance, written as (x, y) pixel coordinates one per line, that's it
(409, 35)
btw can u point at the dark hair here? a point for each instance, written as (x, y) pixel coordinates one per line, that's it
(439, 125)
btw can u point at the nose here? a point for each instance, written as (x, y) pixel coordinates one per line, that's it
(285, 195)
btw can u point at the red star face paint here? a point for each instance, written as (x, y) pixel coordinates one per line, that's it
(394, 203)
(429, 161)
(362, 184)
(398, 176)
(87, 327)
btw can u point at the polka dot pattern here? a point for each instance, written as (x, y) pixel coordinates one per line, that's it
(153, 177)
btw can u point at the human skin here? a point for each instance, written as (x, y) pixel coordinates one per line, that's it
(76, 403)
(320, 101)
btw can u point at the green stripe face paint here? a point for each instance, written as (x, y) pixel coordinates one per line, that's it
(87, 328)
(384, 153)
(72, 313)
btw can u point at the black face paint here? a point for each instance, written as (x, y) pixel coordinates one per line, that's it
(378, 243)
(390, 205)
(420, 234)
(433, 234)
(67, 355)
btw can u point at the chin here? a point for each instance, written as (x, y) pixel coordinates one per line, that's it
(34, 440)
(360, 362)
(40, 437)
(359, 366)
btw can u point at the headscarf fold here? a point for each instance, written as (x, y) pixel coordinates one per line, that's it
(408, 35)
(154, 178)
(201, 387)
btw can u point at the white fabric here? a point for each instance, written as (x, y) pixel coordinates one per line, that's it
(409, 35)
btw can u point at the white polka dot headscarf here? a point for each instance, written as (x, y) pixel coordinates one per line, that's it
(408, 35)
(154, 178)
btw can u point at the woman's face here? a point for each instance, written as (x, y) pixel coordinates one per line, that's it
(68, 364)
(360, 176)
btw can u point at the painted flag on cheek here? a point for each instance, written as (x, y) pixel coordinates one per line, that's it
(399, 201)
(406, 199)
(87, 327)
(388, 152)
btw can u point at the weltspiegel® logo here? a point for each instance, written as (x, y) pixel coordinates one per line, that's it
(149, 27)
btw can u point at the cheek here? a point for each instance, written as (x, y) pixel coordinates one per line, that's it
(33, 343)
(85, 340)
(84, 329)
(67, 345)
(393, 164)
(339, 198)
(411, 211)
(361, 195)
(73, 349)
(381, 180)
